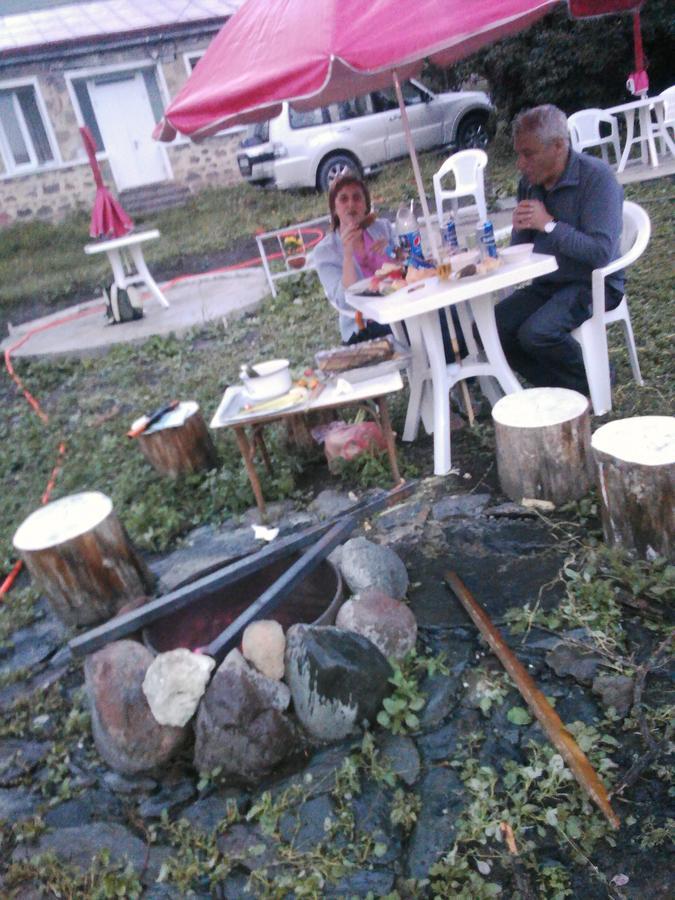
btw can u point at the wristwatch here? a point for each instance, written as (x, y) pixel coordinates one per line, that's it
(549, 226)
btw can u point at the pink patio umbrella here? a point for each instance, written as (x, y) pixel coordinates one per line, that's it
(638, 81)
(316, 52)
(108, 218)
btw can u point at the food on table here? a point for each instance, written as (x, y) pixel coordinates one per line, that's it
(339, 359)
(389, 270)
(307, 381)
(465, 271)
(415, 275)
(295, 395)
(489, 264)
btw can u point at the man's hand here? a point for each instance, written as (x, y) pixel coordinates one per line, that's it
(531, 214)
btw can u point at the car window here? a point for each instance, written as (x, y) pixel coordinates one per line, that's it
(386, 98)
(256, 134)
(351, 109)
(307, 118)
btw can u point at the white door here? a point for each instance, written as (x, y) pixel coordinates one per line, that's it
(125, 119)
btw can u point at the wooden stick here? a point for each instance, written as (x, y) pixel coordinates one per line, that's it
(466, 396)
(549, 720)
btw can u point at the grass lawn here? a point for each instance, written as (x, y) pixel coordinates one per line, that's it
(91, 402)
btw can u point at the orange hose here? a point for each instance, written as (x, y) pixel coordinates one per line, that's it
(35, 405)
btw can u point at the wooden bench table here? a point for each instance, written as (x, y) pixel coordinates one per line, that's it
(366, 385)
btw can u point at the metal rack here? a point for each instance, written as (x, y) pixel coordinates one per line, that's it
(272, 242)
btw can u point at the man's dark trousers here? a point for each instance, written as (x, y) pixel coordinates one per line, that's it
(534, 326)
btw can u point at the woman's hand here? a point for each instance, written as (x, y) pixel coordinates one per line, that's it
(351, 236)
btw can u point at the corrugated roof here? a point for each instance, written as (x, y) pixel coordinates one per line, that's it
(100, 18)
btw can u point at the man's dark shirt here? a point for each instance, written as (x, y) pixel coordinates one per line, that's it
(587, 203)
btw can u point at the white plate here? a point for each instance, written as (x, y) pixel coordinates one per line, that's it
(291, 403)
(364, 285)
(516, 253)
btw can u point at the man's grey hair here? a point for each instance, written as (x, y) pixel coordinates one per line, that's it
(546, 122)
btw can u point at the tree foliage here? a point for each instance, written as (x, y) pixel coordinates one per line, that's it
(573, 63)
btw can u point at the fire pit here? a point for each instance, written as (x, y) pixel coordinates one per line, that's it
(315, 600)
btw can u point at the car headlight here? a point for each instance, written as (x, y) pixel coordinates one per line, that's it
(279, 150)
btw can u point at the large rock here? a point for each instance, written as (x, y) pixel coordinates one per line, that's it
(568, 659)
(615, 691)
(367, 565)
(19, 758)
(241, 726)
(263, 644)
(330, 503)
(442, 796)
(126, 733)
(174, 684)
(77, 846)
(337, 679)
(388, 623)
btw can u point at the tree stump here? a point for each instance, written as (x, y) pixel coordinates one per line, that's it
(80, 556)
(179, 442)
(635, 467)
(543, 445)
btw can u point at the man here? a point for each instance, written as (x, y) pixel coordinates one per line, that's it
(569, 205)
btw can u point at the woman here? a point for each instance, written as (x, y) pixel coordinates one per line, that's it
(351, 251)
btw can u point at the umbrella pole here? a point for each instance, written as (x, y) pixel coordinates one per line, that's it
(433, 237)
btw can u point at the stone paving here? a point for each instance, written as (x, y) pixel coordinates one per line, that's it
(503, 553)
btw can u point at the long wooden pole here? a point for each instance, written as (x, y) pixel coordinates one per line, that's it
(433, 237)
(549, 720)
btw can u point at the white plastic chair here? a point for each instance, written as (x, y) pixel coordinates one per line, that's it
(584, 128)
(592, 334)
(467, 166)
(668, 97)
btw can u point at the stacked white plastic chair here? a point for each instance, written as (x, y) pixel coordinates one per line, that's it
(668, 98)
(467, 166)
(585, 132)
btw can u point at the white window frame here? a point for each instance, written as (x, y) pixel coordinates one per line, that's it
(13, 170)
(192, 54)
(197, 54)
(95, 72)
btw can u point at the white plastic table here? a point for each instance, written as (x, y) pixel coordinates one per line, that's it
(125, 255)
(346, 389)
(418, 307)
(641, 111)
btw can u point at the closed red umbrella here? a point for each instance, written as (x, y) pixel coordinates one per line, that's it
(316, 52)
(108, 217)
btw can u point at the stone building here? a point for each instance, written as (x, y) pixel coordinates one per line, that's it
(112, 65)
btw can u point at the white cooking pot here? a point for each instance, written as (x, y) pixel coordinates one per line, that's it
(269, 379)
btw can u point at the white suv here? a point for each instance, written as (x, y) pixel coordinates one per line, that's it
(306, 149)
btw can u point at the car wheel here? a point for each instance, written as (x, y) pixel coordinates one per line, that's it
(473, 132)
(332, 166)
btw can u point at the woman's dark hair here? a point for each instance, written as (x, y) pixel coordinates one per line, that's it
(336, 185)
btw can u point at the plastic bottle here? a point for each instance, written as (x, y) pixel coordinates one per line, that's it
(408, 233)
